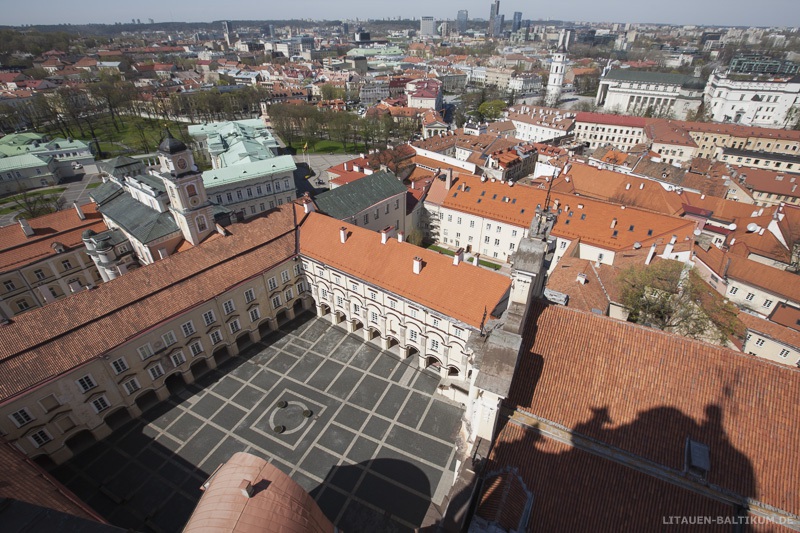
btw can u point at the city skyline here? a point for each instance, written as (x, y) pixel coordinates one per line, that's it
(780, 13)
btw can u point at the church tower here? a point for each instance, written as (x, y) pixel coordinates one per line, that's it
(557, 69)
(187, 194)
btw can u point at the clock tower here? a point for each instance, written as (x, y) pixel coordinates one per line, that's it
(188, 201)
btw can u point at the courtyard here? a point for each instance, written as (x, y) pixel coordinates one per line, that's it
(363, 432)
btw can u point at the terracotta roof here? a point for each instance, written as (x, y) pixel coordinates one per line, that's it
(569, 488)
(665, 132)
(462, 292)
(277, 504)
(786, 315)
(64, 226)
(775, 331)
(769, 181)
(486, 199)
(776, 281)
(645, 392)
(613, 120)
(70, 332)
(26, 481)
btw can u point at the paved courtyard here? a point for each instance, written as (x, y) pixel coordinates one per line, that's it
(377, 449)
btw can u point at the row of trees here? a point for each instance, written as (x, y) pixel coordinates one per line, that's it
(294, 123)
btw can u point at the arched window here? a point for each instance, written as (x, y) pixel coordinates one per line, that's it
(191, 190)
(201, 223)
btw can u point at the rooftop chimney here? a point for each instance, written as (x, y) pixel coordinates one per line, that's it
(79, 210)
(641, 186)
(343, 234)
(458, 257)
(386, 233)
(650, 254)
(400, 236)
(627, 186)
(247, 488)
(308, 206)
(582, 279)
(448, 178)
(670, 246)
(417, 265)
(26, 228)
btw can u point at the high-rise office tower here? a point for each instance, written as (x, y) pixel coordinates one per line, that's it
(517, 23)
(462, 19)
(494, 13)
(499, 20)
(427, 26)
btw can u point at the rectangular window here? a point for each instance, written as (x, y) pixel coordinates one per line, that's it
(393, 304)
(145, 351)
(497, 242)
(759, 342)
(339, 301)
(768, 303)
(9, 285)
(100, 404)
(169, 338)
(196, 348)
(373, 295)
(249, 295)
(40, 438)
(373, 317)
(208, 317)
(86, 383)
(499, 229)
(131, 386)
(449, 218)
(434, 345)
(259, 191)
(216, 337)
(255, 314)
(749, 296)
(298, 269)
(21, 417)
(486, 240)
(784, 352)
(178, 359)
(272, 283)
(366, 218)
(120, 365)
(734, 290)
(387, 209)
(471, 223)
(276, 301)
(228, 307)
(39, 274)
(412, 335)
(323, 293)
(234, 326)
(457, 332)
(435, 322)
(156, 371)
(288, 294)
(285, 276)
(412, 312)
(66, 264)
(187, 328)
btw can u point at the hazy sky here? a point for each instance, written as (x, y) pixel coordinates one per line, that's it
(709, 12)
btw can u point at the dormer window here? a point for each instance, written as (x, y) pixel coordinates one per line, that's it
(698, 460)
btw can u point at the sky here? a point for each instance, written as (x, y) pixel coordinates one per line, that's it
(685, 12)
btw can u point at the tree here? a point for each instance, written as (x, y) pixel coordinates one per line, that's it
(669, 296)
(32, 205)
(416, 237)
(331, 92)
(492, 110)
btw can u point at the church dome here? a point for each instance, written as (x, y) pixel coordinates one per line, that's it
(171, 145)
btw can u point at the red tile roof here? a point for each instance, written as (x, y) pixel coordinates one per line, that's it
(776, 281)
(613, 120)
(65, 226)
(771, 329)
(645, 392)
(26, 481)
(70, 332)
(463, 292)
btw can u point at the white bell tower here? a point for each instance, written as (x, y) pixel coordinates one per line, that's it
(556, 80)
(188, 201)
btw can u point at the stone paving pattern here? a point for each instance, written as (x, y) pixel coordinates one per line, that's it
(378, 448)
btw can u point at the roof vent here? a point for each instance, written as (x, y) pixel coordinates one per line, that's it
(246, 488)
(582, 279)
(417, 265)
